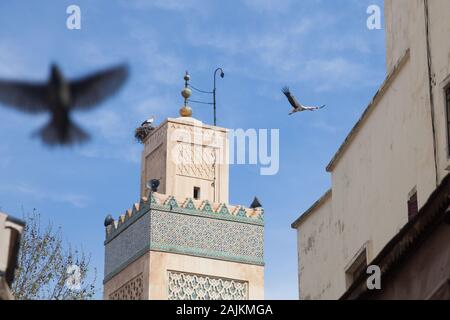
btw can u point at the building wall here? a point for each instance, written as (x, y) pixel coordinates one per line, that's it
(372, 180)
(317, 241)
(182, 152)
(217, 242)
(405, 28)
(123, 286)
(390, 153)
(153, 160)
(10, 232)
(399, 16)
(148, 277)
(440, 55)
(161, 263)
(127, 245)
(5, 236)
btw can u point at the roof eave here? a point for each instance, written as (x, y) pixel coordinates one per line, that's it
(311, 209)
(378, 95)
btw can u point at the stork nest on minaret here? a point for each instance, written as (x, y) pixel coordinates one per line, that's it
(142, 132)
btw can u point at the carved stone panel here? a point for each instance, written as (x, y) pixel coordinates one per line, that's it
(187, 286)
(132, 290)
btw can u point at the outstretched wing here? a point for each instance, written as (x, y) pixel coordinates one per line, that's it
(24, 96)
(294, 103)
(93, 89)
(314, 108)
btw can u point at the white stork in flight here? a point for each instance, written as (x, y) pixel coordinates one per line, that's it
(297, 106)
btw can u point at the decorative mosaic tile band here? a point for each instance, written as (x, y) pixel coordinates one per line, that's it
(129, 243)
(189, 207)
(206, 254)
(211, 238)
(196, 228)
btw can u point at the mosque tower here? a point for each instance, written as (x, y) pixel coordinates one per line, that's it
(182, 240)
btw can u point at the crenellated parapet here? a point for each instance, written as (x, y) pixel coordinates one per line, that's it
(185, 226)
(185, 206)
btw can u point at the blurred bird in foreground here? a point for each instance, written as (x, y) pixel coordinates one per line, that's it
(297, 106)
(60, 96)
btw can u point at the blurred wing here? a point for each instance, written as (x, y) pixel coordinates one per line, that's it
(93, 89)
(23, 96)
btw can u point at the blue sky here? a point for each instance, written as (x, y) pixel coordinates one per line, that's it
(322, 49)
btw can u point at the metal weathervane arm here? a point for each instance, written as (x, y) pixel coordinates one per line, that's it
(213, 92)
(222, 74)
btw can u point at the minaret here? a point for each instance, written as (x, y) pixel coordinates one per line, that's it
(184, 241)
(188, 156)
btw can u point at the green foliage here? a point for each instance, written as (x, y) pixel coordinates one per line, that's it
(45, 267)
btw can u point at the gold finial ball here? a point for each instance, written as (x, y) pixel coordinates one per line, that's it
(186, 93)
(186, 111)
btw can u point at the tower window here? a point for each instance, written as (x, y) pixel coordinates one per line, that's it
(447, 99)
(196, 193)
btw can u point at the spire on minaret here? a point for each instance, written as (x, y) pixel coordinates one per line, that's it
(186, 111)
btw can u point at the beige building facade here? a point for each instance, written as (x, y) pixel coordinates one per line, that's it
(185, 242)
(10, 233)
(392, 160)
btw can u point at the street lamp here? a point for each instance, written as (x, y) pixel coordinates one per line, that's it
(222, 75)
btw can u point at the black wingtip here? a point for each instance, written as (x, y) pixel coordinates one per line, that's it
(285, 90)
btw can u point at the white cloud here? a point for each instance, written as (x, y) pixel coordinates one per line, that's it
(292, 53)
(159, 65)
(347, 42)
(157, 105)
(15, 63)
(74, 199)
(184, 6)
(269, 6)
(5, 157)
(107, 123)
(129, 152)
(325, 126)
(332, 73)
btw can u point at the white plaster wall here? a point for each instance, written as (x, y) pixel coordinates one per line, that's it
(319, 240)
(390, 154)
(158, 160)
(440, 53)
(161, 262)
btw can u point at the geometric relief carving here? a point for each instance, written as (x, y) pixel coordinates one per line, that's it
(195, 161)
(132, 290)
(186, 286)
